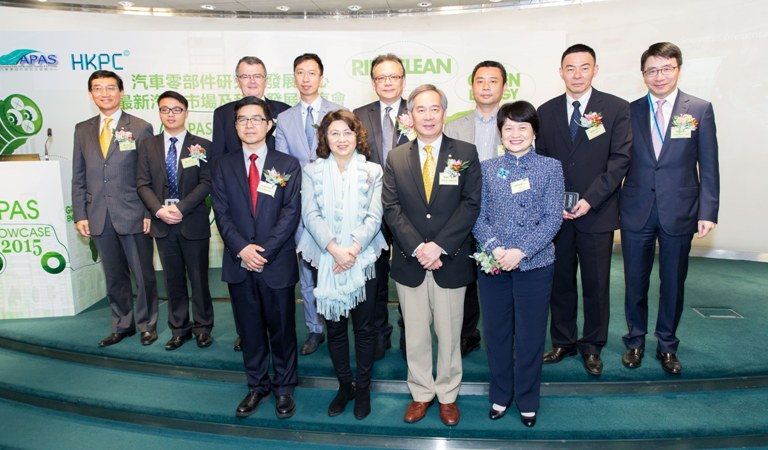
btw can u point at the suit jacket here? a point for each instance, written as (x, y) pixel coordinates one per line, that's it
(684, 182)
(107, 185)
(290, 137)
(273, 225)
(194, 186)
(593, 168)
(447, 219)
(370, 116)
(463, 129)
(225, 138)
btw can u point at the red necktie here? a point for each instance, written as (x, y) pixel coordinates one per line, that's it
(253, 182)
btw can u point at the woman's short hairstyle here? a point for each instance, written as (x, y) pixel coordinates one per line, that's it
(519, 111)
(354, 124)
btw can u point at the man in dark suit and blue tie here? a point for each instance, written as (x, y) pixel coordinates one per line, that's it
(251, 76)
(672, 191)
(588, 132)
(173, 181)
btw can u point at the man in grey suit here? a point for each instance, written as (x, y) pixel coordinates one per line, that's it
(380, 119)
(296, 135)
(489, 79)
(108, 209)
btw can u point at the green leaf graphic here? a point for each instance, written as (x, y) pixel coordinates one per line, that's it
(13, 58)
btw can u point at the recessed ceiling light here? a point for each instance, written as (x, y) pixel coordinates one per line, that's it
(208, 7)
(42, 1)
(283, 8)
(354, 8)
(494, 1)
(425, 4)
(125, 4)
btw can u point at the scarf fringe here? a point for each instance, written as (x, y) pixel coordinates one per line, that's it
(335, 305)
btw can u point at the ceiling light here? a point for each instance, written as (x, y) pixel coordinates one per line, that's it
(208, 7)
(494, 1)
(125, 4)
(283, 8)
(424, 4)
(42, 1)
(354, 8)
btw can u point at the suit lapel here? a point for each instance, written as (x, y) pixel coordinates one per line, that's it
(680, 107)
(158, 147)
(561, 123)
(415, 166)
(123, 123)
(400, 139)
(183, 153)
(300, 131)
(644, 116)
(374, 114)
(237, 168)
(446, 147)
(470, 119)
(94, 131)
(268, 164)
(595, 105)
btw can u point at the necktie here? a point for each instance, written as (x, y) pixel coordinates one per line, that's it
(387, 132)
(428, 171)
(253, 182)
(309, 129)
(171, 170)
(105, 137)
(662, 130)
(575, 123)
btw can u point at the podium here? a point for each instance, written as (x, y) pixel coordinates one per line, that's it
(46, 268)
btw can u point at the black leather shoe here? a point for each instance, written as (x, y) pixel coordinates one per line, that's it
(558, 354)
(528, 421)
(470, 343)
(237, 345)
(362, 403)
(669, 362)
(204, 340)
(285, 406)
(176, 342)
(496, 415)
(312, 343)
(249, 403)
(593, 364)
(114, 338)
(148, 337)
(632, 358)
(345, 393)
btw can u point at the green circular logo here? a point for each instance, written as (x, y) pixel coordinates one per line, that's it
(2, 263)
(53, 262)
(22, 114)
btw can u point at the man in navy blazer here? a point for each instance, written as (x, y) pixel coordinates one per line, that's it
(671, 191)
(251, 76)
(296, 135)
(257, 205)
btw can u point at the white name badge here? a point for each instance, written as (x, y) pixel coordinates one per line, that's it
(449, 179)
(189, 162)
(267, 188)
(520, 185)
(680, 133)
(127, 146)
(595, 131)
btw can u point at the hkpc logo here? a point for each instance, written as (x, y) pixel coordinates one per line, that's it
(26, 59)
(20, 119)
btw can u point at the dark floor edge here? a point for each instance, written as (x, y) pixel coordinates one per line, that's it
(390, 386)
(370, 441)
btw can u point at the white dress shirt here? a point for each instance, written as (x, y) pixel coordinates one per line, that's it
(167, 143)
(315, 110)
(666, 109)
(392, 114)
(261, 152)
(115, 118)
(583, 102)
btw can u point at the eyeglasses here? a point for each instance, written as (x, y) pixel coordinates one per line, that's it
(349, 134)
(384, 78)
(255, 120)
(167, 110)
(666, 71)
(100, 89)
(254, 77)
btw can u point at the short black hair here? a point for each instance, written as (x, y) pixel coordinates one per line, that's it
(387, 57)
(495, 64)
(251, 100)
(519, 111)
(251, 60)
(105, 74)
(174, 95)
(308, 57)
(578, 48)
(662, 50)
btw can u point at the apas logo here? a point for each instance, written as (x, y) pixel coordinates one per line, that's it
(28, 59)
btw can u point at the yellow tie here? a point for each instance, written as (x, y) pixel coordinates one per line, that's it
(428, 171)
(105, 138)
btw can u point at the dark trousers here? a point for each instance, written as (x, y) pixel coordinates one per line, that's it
(182, 258)
(267, 320)
(515, 308)
(591, 254)
(638, 249)
(365, 340)
(121, 256)
(471, 311)
(381, 326)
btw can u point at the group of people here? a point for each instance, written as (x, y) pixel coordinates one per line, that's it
(508, 201)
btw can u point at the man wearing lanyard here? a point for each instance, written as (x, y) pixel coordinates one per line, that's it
(671, 192)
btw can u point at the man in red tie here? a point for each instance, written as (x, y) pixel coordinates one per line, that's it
(257, 208)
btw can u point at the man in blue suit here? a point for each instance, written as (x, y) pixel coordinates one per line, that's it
(296, 135)
(256, 200)
(671, 191)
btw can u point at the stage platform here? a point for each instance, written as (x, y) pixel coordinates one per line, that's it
(53, 368)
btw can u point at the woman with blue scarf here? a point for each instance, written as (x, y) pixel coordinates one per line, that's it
(341, 208)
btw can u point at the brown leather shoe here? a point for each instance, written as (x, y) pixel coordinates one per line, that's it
(416, 411)
(449, 413)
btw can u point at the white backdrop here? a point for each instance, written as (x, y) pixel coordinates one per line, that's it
(724, 53)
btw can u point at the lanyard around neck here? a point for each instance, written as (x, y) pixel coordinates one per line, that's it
(656, 122)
